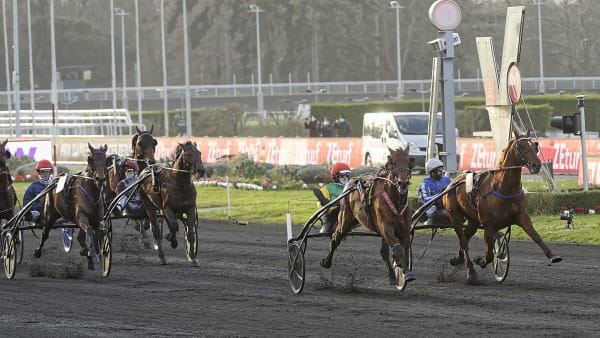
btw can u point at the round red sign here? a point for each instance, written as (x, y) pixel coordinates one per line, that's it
(514, 84)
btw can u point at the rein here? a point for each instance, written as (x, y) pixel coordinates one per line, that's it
(388, 200)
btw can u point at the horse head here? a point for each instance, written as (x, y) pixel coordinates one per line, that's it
(97, 164)
(188, 157)
(144, 145)
(4, 154)
(399, 168)
(526, 152)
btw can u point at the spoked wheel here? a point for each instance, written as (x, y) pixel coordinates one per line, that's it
(296, 265)
(19, 246)
(9, 255)
(105, 254)
(501, 257)
(191, 244)
(67, 237)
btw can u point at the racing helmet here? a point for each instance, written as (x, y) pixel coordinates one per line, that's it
(340, 168)
(43, 164)
(132, 165)
(432, 164)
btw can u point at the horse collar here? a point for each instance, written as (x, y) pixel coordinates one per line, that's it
(497, 194)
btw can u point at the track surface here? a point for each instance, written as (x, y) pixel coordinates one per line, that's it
(241, 289)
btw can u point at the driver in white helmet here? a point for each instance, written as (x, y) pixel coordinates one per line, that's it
(431, 186)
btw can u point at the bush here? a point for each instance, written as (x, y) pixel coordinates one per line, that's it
(315, 174)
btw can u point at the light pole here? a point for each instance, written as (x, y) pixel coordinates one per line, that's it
(138, 75)
(121, 12)
(31, 81)
(259, 95)
(396, 5)
(16, 75)
(164, 68)
(542, 86)
(113, 72)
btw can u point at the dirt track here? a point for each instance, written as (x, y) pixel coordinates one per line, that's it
(241, 289)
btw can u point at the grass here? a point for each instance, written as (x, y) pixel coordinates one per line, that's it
(272, 206)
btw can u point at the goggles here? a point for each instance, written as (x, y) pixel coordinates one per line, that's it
(45, 171)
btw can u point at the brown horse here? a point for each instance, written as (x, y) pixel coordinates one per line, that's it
(176, 198)
(382, 206)
(496, 202)
(143, 145)
(81, 202)
(114, 174)
(8, 197)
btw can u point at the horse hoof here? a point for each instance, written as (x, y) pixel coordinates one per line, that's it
(163, 261)
(455, 261)
(409, 277)
(171, 238)
(147, 245)
(555, 259)
(37, 253)
(83, 252)
(91, 265)
(174, 243)
(481, 262)
(194, 263)
(472, 279)
(325, 264)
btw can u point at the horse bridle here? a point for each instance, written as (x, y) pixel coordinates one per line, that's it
(522, 153)
(401, 187)
(140, 155)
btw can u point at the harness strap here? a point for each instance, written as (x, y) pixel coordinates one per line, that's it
(497, 194)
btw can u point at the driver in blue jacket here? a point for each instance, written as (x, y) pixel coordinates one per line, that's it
(431, 186)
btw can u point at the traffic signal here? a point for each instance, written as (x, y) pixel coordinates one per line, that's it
(570, 124)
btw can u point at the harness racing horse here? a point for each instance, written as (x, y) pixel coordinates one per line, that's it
(176, 198)
(8, 197)
(114, 174)
(497, 201)
(81, 202)
(144, 147)
(382, 207)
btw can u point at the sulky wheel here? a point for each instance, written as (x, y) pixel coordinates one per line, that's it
(501, 257)
(19, 246)
(105, 254)
(9, 255)
(296, 266)
(67, 239)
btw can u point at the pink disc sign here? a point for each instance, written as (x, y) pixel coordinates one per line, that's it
(514, 84)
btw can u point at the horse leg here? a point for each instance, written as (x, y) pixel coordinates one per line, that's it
(173, 226)
(384, 251)
(81, 240)
(191, 224)
(464, 249)
(488, 235)
(527, 226)
(37, 252)
(344, 226)
(92, 250)
(469, 231)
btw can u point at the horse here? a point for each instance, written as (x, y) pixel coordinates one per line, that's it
(143, 146)
(8, 197)
(81, 201)
(114, 174)
(176, 197)
(383, 207)
(496, 202)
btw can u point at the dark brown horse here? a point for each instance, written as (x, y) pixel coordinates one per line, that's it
(143, 145)
(382, 206)
(81, 202)
(8, 197)
(496, 202)
(114, 174)
(176, 198)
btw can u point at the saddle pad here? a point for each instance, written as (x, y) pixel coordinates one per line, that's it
(61, 183)
(469, 182)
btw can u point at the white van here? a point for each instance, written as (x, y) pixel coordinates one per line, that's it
(381, 130)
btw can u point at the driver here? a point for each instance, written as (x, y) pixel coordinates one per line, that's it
(431, 186)
(340, 173)
(44, 169)
(131, 175)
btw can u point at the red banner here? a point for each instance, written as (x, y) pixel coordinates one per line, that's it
(474, 154)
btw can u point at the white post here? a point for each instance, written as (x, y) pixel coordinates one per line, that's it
(400, 90)
(541, 50)
(16, 75)
(113, 72)
(31, 80)
(138, 75)
(259, 96)
(188, 104)
(121, 12)
(164, 68)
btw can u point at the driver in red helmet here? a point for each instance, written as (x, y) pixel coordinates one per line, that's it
(131, 175)
(340, 173)
(44, 170)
